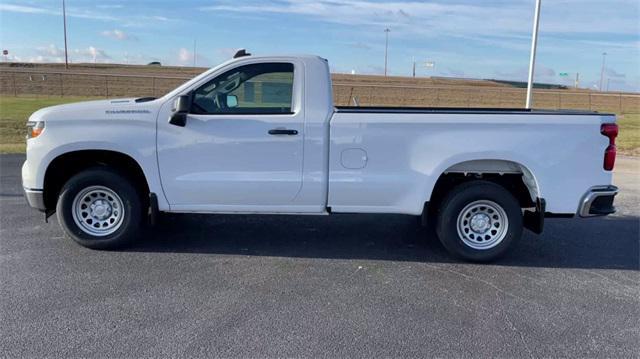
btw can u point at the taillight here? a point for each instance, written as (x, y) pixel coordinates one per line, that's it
(611, 131)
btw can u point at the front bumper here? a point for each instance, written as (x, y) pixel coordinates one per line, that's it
(598, 201)
(35, 198)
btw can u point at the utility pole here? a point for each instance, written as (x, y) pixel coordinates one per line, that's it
(577, 80)
(194, 52)
(604, 58)
(386, 48)
(64, 24)
(414, 66)
(532, 60)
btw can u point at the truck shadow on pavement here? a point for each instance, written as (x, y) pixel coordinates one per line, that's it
(606, 243)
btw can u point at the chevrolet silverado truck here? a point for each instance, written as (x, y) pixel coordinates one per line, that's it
(261, 135)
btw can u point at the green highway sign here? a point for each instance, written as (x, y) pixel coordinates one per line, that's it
(563, 74)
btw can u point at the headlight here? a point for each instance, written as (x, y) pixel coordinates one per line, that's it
(34, 129)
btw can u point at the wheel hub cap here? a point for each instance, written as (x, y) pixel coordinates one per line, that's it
(98, 211)
(482, 224)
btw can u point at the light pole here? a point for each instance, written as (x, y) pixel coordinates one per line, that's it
(64, 24)
(532, 60)
(386, 48)
(604, 58)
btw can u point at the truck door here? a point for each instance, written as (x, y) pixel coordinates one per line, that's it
(241, 147)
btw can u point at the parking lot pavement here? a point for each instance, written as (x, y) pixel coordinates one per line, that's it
(332, 286)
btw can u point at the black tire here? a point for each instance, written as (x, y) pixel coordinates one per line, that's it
(128, 226)
(456, 236)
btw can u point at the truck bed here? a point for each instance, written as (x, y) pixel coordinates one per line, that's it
(399, 153)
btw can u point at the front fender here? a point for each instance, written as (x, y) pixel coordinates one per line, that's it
(40, 154)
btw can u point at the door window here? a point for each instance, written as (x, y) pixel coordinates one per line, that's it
(264, 88)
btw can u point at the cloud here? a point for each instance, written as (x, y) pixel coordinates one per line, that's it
(185, 58)
(23, 9)
(12, 58)
(45, 59)
(52, 53)
(102, 12)
(51, 50)
(71, 12)
(370, 70)
(95, 54)
(184, 55)
(448, 15)
(110, 6)
(505, 24)
(118, 35)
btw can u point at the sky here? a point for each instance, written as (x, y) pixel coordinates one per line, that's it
(464, 38)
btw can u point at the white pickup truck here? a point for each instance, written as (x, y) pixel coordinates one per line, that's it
(262, 135)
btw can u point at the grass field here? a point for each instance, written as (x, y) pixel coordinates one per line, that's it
(14, 112)
(628, 141)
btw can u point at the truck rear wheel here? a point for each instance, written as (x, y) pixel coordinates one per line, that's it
(479, 221)
(99, 209)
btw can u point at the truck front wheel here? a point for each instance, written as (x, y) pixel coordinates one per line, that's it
(479, 221)
(99, 209)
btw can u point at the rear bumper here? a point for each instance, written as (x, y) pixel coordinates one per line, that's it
(598, 201)
(35, 198)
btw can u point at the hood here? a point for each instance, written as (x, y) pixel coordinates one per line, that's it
(99, 109)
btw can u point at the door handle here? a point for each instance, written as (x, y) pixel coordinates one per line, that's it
(282, 131)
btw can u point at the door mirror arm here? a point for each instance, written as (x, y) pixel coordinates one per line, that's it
(180, 110)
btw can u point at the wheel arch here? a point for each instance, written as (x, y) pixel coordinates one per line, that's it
(67, 164)
(516, 177)
(500, 167)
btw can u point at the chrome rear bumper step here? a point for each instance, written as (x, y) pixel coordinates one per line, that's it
(598, 201)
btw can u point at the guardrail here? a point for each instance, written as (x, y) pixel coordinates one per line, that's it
(59, 83)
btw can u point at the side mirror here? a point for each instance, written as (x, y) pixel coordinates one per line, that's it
(232, 101)
(180, 110)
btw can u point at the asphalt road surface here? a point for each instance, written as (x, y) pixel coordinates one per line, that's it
(304, 286)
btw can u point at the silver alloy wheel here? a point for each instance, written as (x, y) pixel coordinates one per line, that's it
(482, 224)
(97, 211)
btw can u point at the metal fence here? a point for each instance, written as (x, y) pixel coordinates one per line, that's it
(485, 96)
(52, 83)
